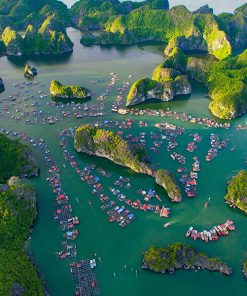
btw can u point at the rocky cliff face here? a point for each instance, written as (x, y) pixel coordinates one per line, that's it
(165, 180)
(165, 84)
(50, 39)
(104, 143)
(31, 168)
(13, 42)
(192, 43)
(204, 10)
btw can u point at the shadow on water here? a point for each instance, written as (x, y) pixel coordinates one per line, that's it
(20, 61)
(66, 101)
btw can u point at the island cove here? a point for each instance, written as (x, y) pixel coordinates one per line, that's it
(104, 143)
(225, 80)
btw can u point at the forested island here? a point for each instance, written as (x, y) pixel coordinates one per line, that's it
(225, 80)
(57, 90)
(48, 39)
(105, 143)
(180, 256)
(237, 191)
(18, 276)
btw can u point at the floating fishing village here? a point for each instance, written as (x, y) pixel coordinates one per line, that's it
(118, 201)
(135, 177)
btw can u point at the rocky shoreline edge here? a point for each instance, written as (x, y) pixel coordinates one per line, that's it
(179, 256)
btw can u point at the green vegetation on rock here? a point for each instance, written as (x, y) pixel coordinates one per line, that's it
(166, 83)
(225, 80)
(50, 39)
(13, 42)
(237, 191)
(18, 210)
(58, 90)
(180, 256)
(20, 13)
(108, 144)
(96, 13)
(15, 159)
(104, 143)
(166, 180)
(17, 213)
(235, 26)
(148, 23)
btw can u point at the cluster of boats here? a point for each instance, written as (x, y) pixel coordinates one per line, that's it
(176, 115)
(190, 180)
(63, 210)
(69, 250)
(115, 213)
(212, 234)
(216, 145)
(82, 271)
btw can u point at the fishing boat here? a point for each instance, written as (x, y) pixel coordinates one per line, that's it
(188, 233)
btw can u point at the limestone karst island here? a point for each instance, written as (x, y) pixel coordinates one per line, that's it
(123, 159)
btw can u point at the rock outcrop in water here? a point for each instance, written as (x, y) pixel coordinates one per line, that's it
(104, 143)
(29, 72)
(180, 256)
(167, 181)
(57, 90)
(166, 83)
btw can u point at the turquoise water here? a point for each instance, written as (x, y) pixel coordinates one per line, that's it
(116, 246)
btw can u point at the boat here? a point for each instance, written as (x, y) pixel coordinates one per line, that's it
(188, 233)
(167, 224)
